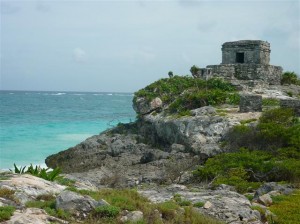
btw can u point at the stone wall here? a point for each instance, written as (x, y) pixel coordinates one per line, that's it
(254, 52)
(250, 103)
(269, 74)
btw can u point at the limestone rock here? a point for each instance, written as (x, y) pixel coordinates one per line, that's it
(75, 203)
(199, 134)
(28, 187)
(207, 205)
(177, 147)
(132, 217)
(228, 206)
(272, 186)
(206, 110)
(142, 106)
(33, 216)
(265, 199)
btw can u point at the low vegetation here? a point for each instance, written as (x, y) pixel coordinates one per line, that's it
(269, 151)
(290, 78)
(6, 212)
(174, 211)
(183, 93)
(270, 102)
(286, 208)
(7, 193)
(47, 202)
(38, 172)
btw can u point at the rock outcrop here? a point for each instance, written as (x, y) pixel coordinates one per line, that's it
(75, 203)
(28, 187)
(200, 134)
(223, 204)
(33, 216)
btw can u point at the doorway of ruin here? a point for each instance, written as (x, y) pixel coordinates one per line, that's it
(239, 57)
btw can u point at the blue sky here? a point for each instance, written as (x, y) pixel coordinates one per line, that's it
(122, 46)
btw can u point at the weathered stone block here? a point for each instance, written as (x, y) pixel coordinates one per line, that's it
(291, 103)
(250, 103)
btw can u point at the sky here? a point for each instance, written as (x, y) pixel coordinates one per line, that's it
(122, 46)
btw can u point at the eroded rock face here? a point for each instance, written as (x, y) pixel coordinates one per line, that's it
(226, 205)
(200, 134)
(144, 152)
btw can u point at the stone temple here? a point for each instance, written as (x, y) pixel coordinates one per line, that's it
(246, 63)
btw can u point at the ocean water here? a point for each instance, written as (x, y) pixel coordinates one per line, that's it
(34, 125)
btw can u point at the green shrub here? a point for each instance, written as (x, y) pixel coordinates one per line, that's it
(270, 102)
(184, 93)
(168, 209)
(246, 169)
(277, 128)
(106, 211)
(41, 204)
(185, 203)
(6, 212)
(194, 69)
(199, 204)
(290, 78)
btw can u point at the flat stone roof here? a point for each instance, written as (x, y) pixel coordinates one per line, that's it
(246, 42)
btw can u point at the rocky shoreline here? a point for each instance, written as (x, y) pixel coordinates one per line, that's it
(155, 156)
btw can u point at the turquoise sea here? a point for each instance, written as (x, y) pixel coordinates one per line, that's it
(34, 125)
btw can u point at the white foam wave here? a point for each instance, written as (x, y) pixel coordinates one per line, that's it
(98, 94)
(78, 94)
(58, 94)
(109, 94)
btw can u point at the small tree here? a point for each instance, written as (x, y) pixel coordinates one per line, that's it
(290, 78)
(194, 70)
(170, 74)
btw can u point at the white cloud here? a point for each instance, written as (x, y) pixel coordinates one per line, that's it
(79, 55)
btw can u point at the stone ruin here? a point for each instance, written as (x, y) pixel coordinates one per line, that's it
(245, 63)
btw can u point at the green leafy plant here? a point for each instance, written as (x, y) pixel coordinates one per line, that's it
(20, 170)
(39, 172)
(6, 212)
(106, 211)
(199, 204)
